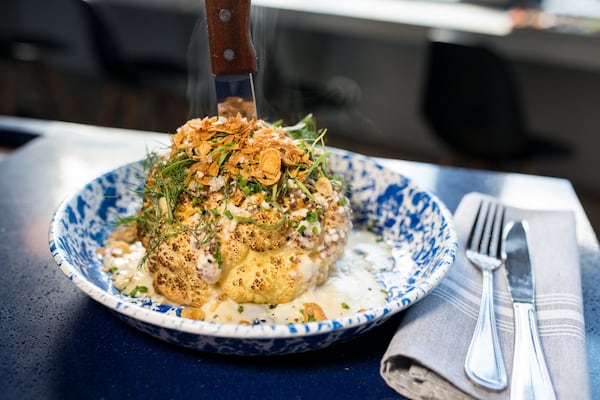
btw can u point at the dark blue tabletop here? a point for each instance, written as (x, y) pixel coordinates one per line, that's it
(58, 343)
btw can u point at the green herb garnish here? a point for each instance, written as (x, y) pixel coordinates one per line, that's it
(171, 182)
(138, 289)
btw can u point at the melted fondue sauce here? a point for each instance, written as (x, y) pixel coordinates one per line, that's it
(350, 288)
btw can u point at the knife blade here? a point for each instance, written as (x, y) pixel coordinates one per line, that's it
(233, 57)
(530, 376)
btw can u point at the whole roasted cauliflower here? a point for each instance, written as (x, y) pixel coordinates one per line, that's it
(244, 209)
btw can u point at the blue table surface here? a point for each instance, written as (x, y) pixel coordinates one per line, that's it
(59, 344)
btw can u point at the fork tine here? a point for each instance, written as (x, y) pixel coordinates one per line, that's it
(484, 245)
(495, 249)
(477, 228)
(486, 231)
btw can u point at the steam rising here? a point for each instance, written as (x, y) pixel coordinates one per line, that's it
(201, 91)
(287, 83)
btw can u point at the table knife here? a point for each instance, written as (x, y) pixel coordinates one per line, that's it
(530, 376)
(232, 54)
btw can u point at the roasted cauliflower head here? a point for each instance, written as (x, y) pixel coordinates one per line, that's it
(244, 209)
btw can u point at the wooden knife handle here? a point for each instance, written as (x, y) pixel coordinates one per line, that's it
(231, 48)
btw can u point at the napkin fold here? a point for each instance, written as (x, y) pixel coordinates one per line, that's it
(425, 359)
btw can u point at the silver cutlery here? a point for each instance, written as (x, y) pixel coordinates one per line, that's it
(530, 376)
(484, 364)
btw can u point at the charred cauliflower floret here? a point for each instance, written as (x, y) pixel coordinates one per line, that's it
(174, 260)
(242, 208)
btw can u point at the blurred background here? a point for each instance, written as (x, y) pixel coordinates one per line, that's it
(489, 84)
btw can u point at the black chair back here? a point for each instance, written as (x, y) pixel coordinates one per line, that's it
(471, 102)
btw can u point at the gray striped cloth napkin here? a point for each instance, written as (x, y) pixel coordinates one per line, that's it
(426, 356)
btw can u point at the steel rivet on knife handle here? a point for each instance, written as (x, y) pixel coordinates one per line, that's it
(230, 41)
(530, 376)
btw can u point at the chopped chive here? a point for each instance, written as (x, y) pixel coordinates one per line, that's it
(218, 256)
(372, 224)
(312, 216)
(138, 288)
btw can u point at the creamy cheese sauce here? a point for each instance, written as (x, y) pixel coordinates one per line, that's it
(350, 288)
(126, 273)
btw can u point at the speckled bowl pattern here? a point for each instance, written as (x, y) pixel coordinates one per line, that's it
(414, 220)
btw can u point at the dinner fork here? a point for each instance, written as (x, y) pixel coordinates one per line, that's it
(484, 364)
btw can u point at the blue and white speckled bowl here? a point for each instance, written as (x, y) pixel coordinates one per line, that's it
(414, 219)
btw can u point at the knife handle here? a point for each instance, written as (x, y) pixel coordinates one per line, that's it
(530, 375)
(230, 41)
